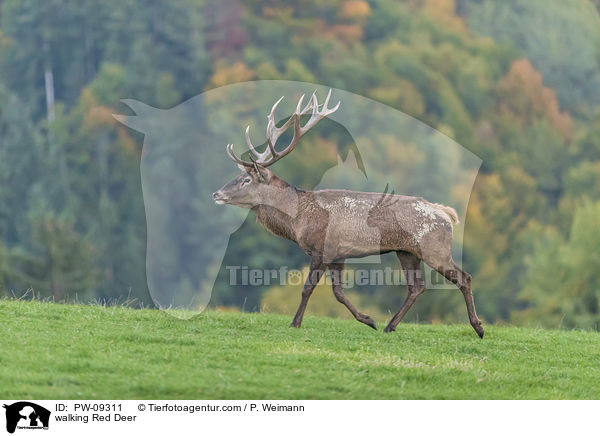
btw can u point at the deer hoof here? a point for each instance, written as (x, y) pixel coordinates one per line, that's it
(371, 323)
(389, 329)
(366, 319)
(479, 331)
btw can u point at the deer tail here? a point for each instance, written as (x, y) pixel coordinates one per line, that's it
(448, 211)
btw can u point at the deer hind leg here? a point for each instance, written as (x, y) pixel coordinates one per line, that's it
(462, 280)
(338, 290)
(411, 266)
(316, 271)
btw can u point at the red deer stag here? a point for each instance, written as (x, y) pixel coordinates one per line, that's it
(414, 228)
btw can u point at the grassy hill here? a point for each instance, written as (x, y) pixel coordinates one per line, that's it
(55, 351)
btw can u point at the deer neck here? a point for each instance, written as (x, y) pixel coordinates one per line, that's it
(279, 212)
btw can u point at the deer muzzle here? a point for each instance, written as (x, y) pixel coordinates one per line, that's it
(219, 197)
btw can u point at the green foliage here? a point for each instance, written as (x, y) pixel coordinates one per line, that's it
(61, 264)
(562, 287)
(561, 39)
(114, 352)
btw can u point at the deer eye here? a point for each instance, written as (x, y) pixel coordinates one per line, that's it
(246, 181)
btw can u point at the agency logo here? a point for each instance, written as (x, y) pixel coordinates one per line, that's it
(26, 415)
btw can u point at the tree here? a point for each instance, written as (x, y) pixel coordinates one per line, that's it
(562, 288)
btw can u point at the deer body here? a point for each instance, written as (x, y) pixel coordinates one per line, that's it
(344, 214)
(333, 225)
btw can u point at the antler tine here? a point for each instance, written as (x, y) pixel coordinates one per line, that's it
(271, 115)
(271, 126)
(299, 105)
(326, 102)
(259, 156)
(315, 104)
(271, 118)
(312, 103)
(236, 159)
(333, 109)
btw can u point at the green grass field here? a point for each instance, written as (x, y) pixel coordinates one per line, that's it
(53, 351)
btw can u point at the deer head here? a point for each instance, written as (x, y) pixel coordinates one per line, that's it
(257, 184)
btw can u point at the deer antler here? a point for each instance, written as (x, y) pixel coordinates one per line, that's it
(271, 155)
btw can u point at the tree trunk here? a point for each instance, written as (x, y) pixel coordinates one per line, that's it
(49, 82)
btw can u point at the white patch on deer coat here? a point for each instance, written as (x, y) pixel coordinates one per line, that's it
(425, 209)
(429, 222)
(349, 202)
(425, 228)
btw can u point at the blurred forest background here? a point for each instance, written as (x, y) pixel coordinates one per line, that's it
(516, 82)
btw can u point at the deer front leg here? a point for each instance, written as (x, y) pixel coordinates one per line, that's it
(316, 271)
(338, 290)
